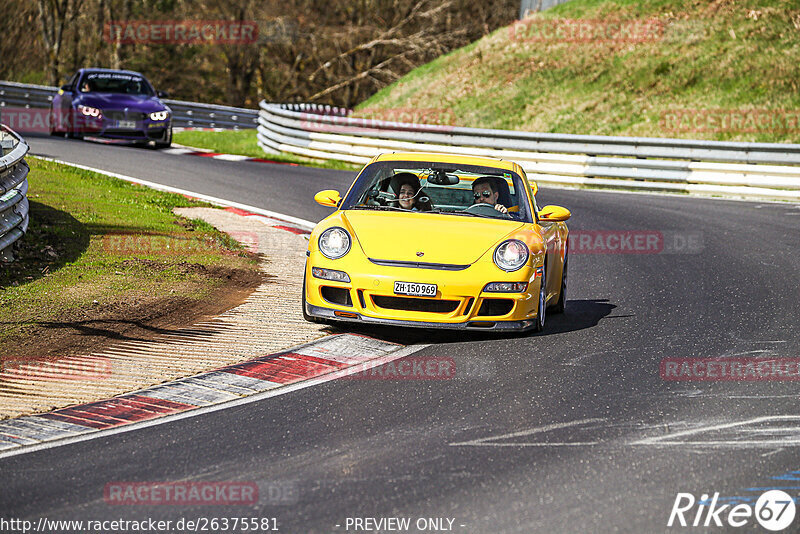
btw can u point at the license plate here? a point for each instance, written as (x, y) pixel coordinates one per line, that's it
(415, 289)
(128, 125)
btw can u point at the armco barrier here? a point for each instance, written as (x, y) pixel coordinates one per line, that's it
(13, 188)
(751, 170)
(184, 114)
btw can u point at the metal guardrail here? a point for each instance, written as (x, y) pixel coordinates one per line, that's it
(184, 114)
(753, 170)
(13, 188)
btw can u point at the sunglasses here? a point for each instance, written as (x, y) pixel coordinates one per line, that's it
(485, 194)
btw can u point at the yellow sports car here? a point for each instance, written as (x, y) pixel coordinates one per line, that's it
(437, 241)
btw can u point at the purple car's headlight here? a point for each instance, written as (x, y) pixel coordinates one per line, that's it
(90, 111)
(159, 115)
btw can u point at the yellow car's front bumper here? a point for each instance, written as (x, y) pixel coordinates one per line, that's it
(460, 302)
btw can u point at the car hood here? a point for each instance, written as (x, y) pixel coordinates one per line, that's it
(448, 239)
(143, 104)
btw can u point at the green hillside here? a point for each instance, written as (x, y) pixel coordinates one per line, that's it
(725, 70)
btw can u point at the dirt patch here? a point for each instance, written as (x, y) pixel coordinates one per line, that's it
(140, 317)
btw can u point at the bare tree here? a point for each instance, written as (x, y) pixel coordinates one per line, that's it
(53, 16)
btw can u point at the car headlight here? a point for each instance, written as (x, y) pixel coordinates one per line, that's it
(334, 243)
(90, 111)
(511, 255)
(159, 115)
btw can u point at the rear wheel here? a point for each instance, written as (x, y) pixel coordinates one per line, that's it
(52, 125)
(542, 308)
(72, 131)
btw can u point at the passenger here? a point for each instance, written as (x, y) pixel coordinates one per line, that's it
(407, 197)
(408, 192)
(484, 191)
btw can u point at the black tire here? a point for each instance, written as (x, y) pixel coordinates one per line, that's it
(541, 314)
(559, 306)
(71, 133)
(166, 142)
(52, 125)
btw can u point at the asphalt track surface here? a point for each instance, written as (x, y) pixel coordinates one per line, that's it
(590, 424)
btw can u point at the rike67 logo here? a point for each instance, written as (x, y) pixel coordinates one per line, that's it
(774, 510)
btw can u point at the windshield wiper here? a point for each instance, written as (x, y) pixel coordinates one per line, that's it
(378, 208)
(465, 213)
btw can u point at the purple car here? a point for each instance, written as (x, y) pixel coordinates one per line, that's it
(115, 104)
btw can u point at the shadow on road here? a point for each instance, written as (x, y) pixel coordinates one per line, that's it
(579, 314)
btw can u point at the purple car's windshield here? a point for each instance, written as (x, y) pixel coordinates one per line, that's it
(113, 82)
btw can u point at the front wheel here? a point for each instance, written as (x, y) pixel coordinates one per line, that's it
(166, 141)
(542, 308)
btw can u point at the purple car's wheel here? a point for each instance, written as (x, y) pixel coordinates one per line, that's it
(166, 141)
(52, 125)
(72, 131)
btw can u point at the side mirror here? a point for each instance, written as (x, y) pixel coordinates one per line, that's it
(534, 188)
(162, 94)
(66, 87)
(329, 197)
(554, 214)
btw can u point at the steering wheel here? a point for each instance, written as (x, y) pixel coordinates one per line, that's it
(486, 210)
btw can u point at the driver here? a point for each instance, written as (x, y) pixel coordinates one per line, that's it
(484, 190)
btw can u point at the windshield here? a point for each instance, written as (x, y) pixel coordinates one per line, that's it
(454, 189)
(115, 82)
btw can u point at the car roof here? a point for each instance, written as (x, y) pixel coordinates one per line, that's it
(120, 71)
(448, 158)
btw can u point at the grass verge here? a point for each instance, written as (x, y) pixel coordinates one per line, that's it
(244, 143)
(722, 69)
(102, 254)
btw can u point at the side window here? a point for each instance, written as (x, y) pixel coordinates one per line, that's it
(72, 81)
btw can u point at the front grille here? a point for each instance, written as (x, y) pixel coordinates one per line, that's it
(495, 307)
(336, 295)
(420, 265)
(415, 304)
(116, 115)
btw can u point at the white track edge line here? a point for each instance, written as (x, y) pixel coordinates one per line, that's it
(202, 410)
(303, 223)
